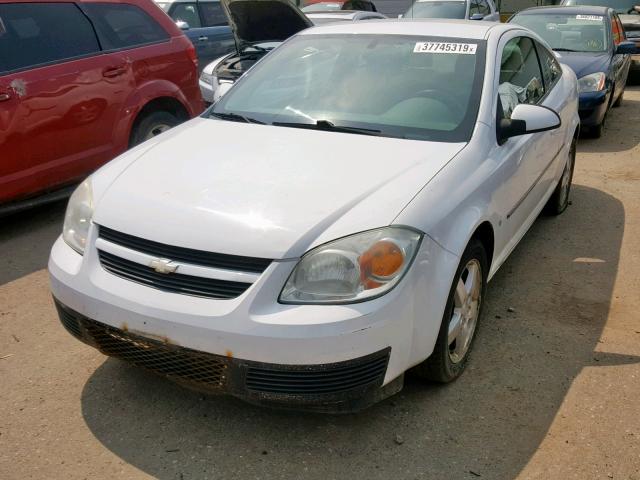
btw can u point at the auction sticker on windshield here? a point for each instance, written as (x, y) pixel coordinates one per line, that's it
(446, 47)
(593, 18)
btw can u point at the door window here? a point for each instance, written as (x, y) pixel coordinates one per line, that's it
(40, 33)
(551, 70)
(121, 25)
(212, 14)
(483, 7)
(520, 75)
(188, 13)
(473, 8)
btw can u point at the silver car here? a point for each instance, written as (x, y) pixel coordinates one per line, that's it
(462, 9)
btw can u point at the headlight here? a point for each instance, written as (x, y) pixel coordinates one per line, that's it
(77, 220)
(592, 83)
(354, 268)
(207, 78)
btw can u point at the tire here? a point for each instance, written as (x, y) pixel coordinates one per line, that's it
(618, 101)
(150, 125)
(596, 131)
(559, 199)
(448, 360)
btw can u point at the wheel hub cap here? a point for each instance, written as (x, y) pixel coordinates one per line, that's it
(466, 308)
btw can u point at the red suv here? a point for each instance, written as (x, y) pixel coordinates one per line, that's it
(82, 81)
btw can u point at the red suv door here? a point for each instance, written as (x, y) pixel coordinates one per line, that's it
(61, 97)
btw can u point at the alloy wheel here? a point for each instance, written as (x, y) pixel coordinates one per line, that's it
(466, 310)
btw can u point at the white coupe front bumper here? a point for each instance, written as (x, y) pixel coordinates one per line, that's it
(254, 327)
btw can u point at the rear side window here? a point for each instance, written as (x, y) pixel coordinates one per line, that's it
(34, 34)
(121, 25)
(187, 13)
(212, 14)
(483, 6)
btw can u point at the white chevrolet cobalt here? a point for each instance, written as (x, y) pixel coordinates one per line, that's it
(332, 221)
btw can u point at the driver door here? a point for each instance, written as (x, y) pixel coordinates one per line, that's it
(525, 158)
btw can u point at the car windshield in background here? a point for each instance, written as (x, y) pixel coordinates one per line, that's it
(620, 6)
(563, 32)
(422, 88)
(322, 21)
(322, 7)
(436, 9)
(164, 6)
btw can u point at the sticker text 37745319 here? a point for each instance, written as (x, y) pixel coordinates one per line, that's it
(446, 47)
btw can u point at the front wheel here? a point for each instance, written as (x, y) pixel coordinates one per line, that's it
(559, 199)
(461, 317)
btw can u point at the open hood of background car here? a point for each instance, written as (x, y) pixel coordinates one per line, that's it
(257, 21)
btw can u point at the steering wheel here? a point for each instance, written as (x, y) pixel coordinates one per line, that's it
(449, 100)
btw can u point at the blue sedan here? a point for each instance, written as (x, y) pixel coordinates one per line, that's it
(592, 42)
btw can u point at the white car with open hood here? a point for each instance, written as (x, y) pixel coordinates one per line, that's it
(258, 26)
(301, 245)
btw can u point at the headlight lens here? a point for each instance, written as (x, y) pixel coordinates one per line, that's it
(207, 78)
(592, 83)
(354, 268)
(77, 220)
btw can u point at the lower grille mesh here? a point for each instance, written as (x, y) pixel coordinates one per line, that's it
(184, 364)
(218, 374)
(332, 378)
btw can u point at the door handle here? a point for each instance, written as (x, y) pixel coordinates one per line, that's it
(4, 96)
(203, 38)
(111, 72)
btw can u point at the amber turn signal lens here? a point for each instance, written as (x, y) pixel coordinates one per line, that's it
(380, 262)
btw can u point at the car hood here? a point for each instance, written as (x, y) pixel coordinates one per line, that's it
(584, 63)
(254, 21)
(263, 191)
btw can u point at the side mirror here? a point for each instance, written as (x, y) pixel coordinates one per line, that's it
(627, 48)
(477, 16)
(528, 119)
(400, 16)
(182, 25)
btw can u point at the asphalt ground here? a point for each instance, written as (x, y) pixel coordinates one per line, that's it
(551, 391)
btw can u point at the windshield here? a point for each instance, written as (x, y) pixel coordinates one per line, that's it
(620, 6)
(434, 9)
(579, 33)
(423, 88)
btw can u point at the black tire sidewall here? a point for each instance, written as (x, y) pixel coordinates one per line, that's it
(441, 367)
(148, 122)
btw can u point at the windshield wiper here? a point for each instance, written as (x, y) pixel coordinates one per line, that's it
(235, 117)
(563, 50)
(328, 126)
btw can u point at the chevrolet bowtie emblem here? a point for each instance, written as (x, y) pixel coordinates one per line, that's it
(163, 265)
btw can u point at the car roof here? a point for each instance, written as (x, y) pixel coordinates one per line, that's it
(569, 10)
(477, 30)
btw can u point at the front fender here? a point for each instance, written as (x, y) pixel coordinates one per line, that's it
(458, 199)
(142, 95)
